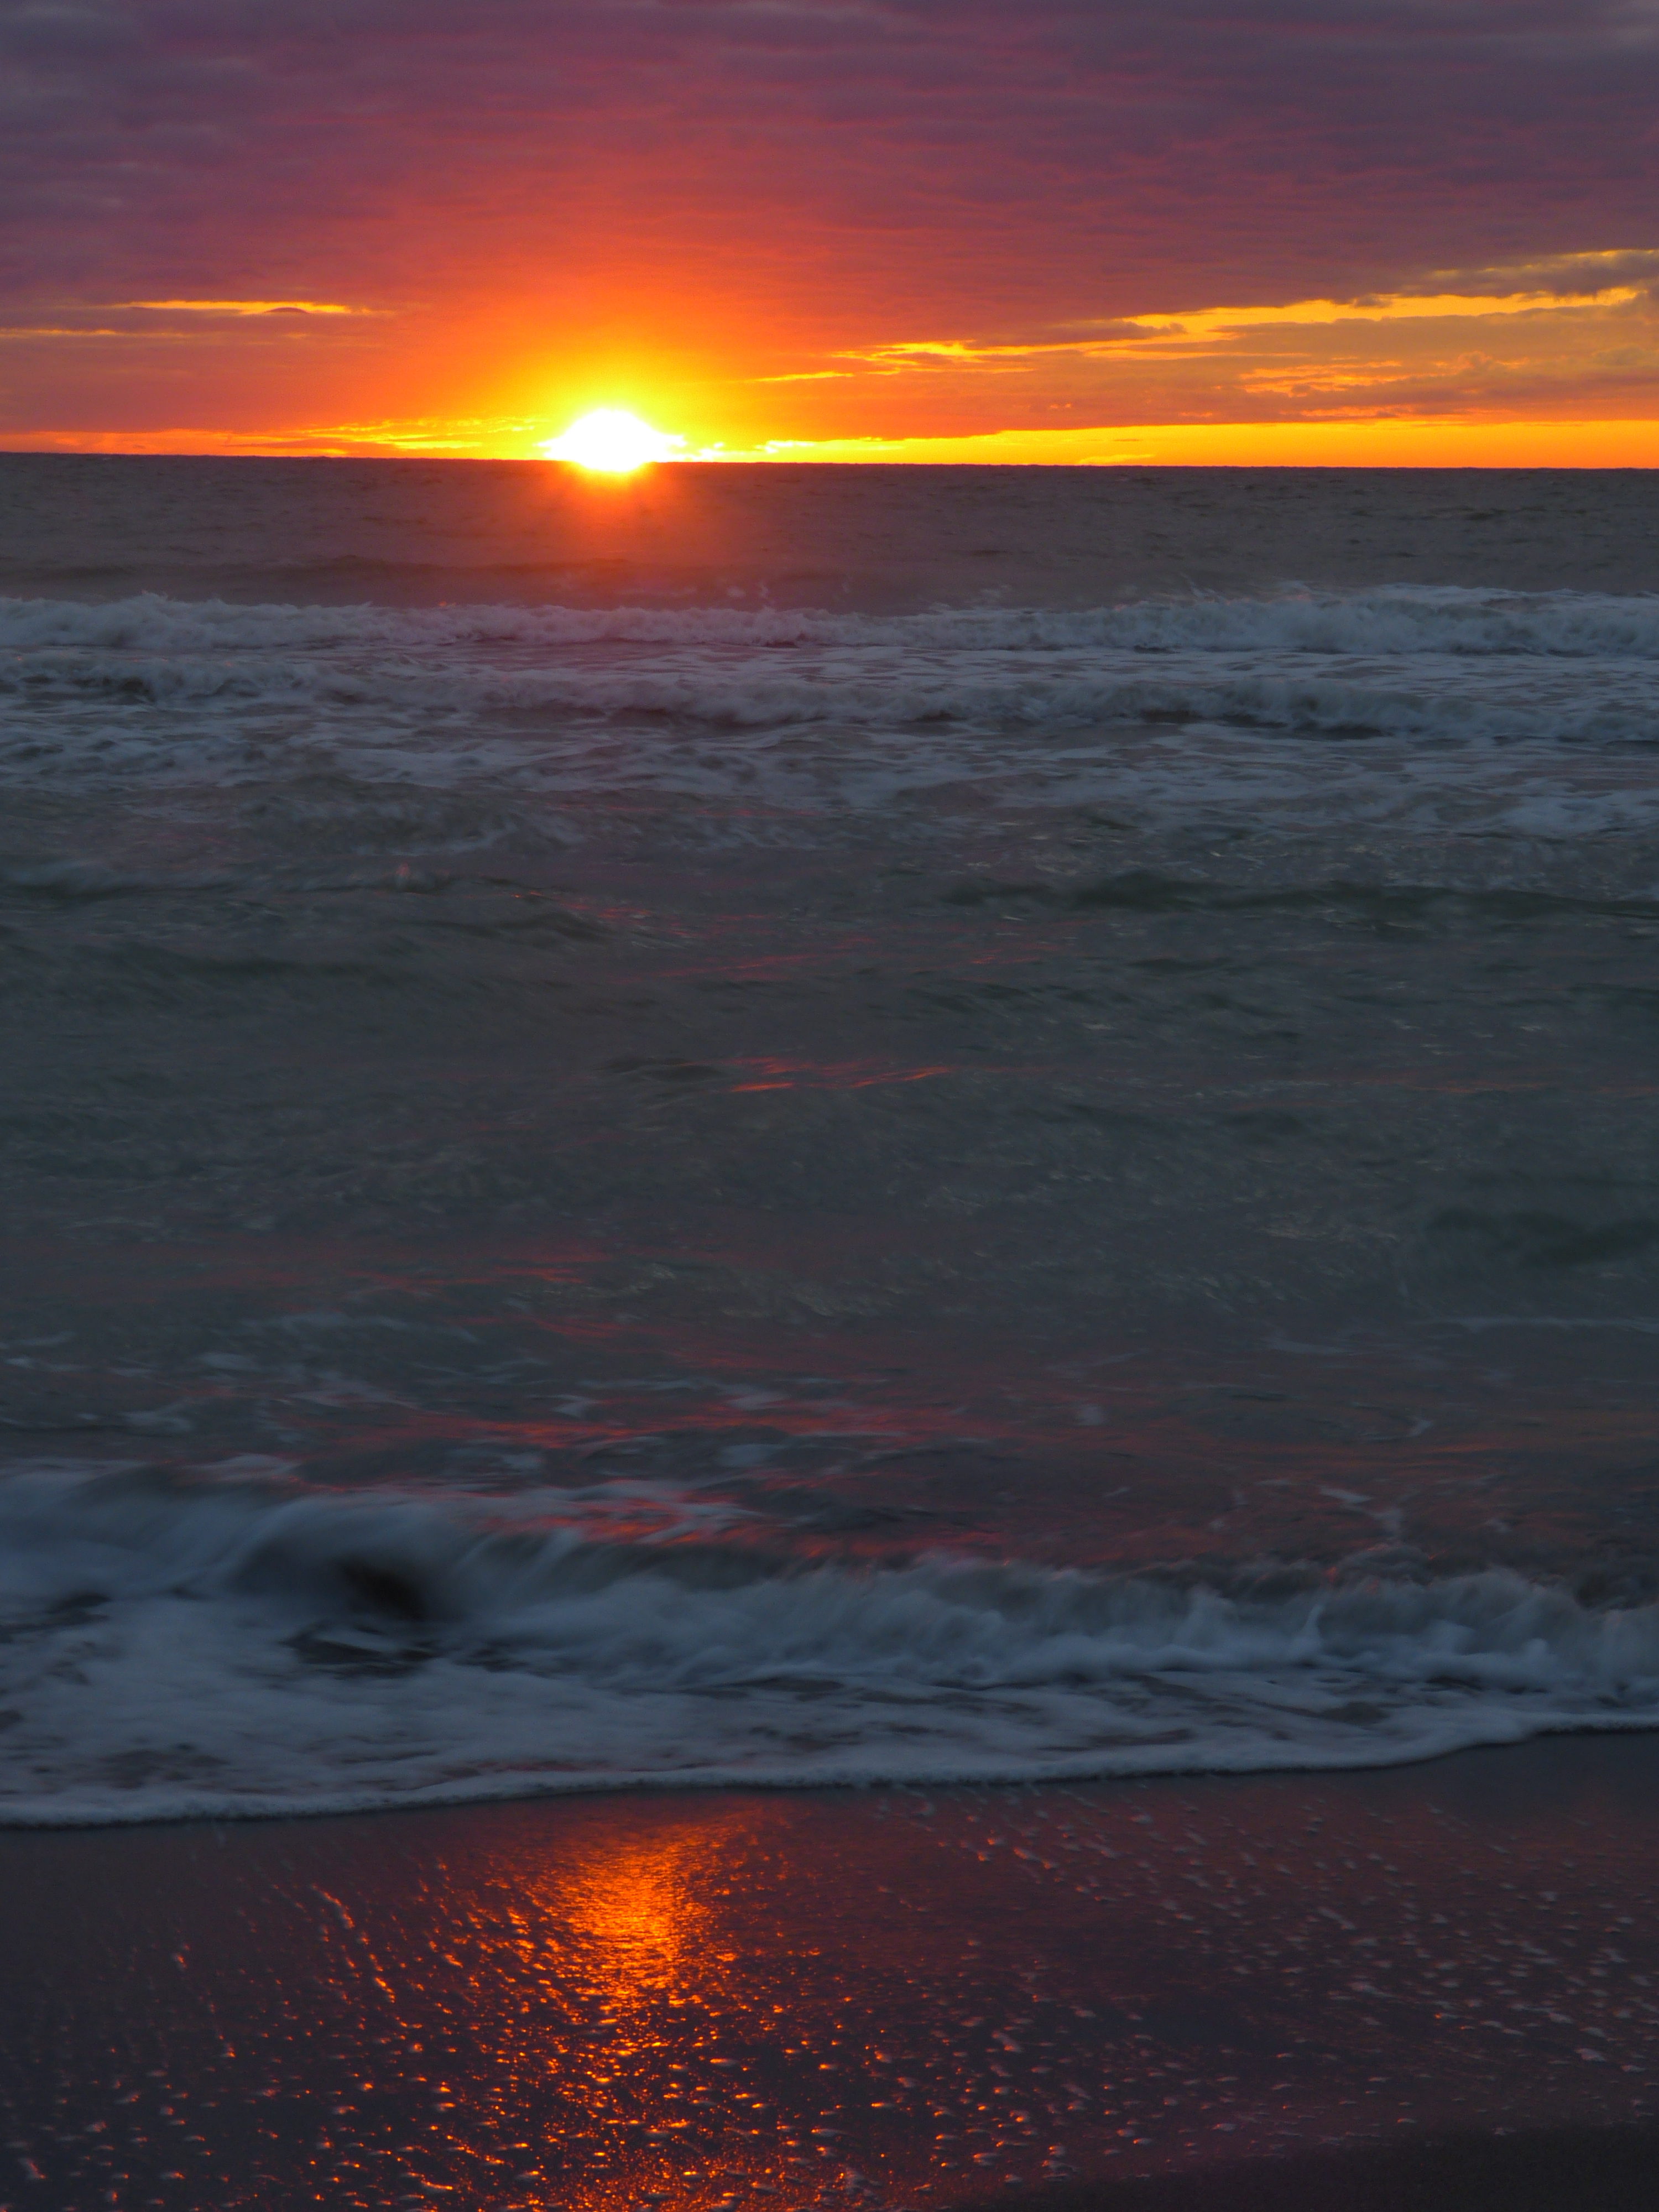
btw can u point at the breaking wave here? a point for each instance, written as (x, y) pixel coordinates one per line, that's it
(227, 1646)
(1394, 620)
(699, 701)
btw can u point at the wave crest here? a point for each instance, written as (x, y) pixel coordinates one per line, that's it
(1393, 621)
(233, 1646)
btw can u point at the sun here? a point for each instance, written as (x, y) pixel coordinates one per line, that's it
(612, 439)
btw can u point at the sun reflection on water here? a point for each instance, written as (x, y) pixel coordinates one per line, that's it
(863, 1999)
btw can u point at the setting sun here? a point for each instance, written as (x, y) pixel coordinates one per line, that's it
(612, 439)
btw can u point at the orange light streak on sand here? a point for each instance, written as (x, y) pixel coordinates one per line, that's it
(645, 1912)
(640, 1929)
(915, 1998)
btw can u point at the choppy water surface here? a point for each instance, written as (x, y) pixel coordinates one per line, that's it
(801, 1126)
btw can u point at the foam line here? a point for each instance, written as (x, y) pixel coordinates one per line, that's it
(1392, 621)
(226, 1647)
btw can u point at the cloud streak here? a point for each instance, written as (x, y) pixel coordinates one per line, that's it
(237, 308)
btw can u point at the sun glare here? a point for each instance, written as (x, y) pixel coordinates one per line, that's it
(612, 439)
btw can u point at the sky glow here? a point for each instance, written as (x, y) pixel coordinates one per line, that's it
(1078, 229)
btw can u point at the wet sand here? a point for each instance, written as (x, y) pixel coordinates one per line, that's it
(1430, 1986)
(1541, 2172)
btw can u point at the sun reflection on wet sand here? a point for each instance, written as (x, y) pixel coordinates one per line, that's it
(631, 1933)
(882, 2000)
(787, 1998)
(640, 1911)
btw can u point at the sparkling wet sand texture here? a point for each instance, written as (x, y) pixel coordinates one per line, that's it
(898, 1999)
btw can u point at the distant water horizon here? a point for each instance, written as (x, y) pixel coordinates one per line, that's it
(867, 535)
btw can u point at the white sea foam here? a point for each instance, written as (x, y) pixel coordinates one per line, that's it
(1536, 717)
(894, 689)
(241, 1646)
(1392, 621)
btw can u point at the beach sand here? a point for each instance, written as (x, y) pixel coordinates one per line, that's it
(1430, 1986)
(1542, 2170)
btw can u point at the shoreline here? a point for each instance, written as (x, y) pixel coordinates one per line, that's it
(464, 1799)
(1165, 1995)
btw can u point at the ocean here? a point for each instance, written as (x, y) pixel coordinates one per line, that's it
(786, 1126)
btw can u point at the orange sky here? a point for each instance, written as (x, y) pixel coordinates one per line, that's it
(1086, 230)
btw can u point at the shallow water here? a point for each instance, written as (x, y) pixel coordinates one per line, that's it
(818, 1125)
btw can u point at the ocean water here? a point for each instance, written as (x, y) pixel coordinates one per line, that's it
(800, 1126)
